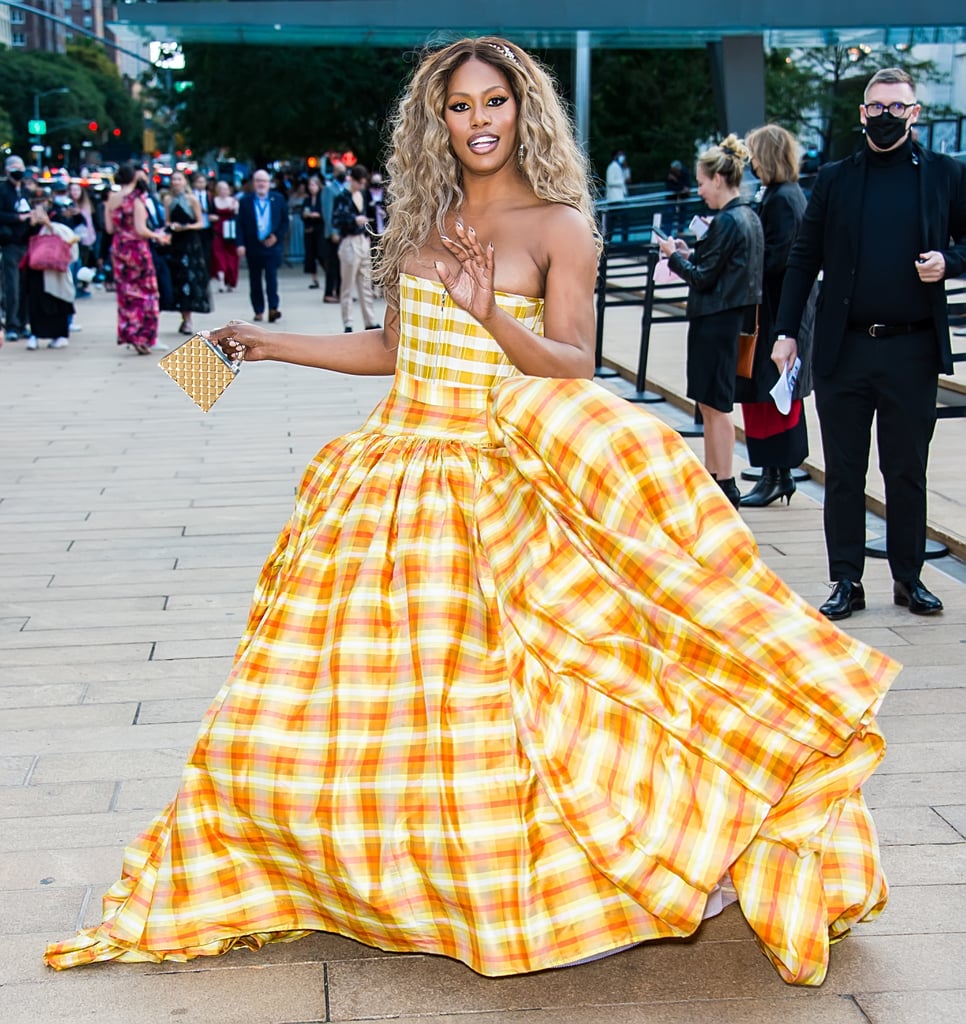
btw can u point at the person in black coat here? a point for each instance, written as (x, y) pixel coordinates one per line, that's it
(724, 278)
(262, 226)
(777, 442)
(886, 227)
(14, 234)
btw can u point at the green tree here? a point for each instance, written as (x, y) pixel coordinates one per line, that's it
(95, 92)
(817, 91)
(6, 126)
(654, 104)
(266, 102)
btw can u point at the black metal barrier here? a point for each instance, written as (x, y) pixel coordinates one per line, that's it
(625, 277)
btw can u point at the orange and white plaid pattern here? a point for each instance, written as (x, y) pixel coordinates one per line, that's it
(516, 688)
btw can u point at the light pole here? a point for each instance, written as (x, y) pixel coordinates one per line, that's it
(39, 95)
(38, 146)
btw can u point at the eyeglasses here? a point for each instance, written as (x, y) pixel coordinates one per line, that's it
(897, 109)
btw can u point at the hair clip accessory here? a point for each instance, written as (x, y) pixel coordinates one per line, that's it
(505, 50)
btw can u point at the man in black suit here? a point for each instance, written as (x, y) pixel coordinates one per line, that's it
(886, 226)
(14, 233)
(262, 224)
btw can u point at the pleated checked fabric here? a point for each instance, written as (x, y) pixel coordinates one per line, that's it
(516, 688)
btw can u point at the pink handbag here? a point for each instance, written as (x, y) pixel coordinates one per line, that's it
(663, 274)
(48, 252)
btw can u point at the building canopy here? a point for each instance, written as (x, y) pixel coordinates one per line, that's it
(545, 23)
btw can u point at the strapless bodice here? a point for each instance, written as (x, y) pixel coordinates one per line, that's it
(442, 348)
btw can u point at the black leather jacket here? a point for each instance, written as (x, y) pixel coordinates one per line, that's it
(726, 267)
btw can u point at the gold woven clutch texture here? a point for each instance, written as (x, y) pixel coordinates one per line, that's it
(201, 369)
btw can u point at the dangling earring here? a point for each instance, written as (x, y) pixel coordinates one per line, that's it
(521, 153)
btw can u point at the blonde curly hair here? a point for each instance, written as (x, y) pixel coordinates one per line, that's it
(424, 178)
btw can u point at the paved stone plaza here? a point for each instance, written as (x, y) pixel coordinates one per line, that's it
(132, 528)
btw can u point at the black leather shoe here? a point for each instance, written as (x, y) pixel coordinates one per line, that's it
(916, 598)
(847, 597)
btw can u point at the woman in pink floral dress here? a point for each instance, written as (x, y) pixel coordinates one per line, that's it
(135, 281)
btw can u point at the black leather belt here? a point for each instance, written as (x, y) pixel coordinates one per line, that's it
(892, 330)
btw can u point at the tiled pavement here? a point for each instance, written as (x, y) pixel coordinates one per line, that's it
(131, 531)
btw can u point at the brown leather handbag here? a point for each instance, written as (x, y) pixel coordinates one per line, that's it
(746, 350)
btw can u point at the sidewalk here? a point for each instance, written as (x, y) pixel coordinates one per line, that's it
(132, 529)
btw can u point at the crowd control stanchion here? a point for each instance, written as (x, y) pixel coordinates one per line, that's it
(697, 427)
(599, 369)
(641, 394)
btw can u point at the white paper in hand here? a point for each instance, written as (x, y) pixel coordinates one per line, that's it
(699, 226)
(785, 387)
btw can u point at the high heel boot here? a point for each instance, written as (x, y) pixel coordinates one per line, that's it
(774, 484)
(730, 489)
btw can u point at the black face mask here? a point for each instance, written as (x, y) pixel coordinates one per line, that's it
(15, 175)
(340, 177)
(885, 130)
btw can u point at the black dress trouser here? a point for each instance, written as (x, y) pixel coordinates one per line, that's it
(894, 379)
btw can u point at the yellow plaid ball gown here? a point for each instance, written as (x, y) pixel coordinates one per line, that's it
(516, 688)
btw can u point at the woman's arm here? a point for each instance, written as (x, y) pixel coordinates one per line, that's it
(141, 225)
(710, 255)
(109, 215)
(566, 348)
(364, 353)
(199, 222)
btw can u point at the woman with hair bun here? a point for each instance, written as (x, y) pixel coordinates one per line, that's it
(516, 687)
(724, 275)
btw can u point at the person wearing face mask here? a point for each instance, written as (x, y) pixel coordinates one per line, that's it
(14, 232)
(334, 187)
(886, 227)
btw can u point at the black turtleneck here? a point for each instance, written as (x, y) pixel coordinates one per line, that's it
(887, 288)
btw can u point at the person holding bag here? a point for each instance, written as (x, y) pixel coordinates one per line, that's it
(776, 441)
(47, 279)
(724, 277)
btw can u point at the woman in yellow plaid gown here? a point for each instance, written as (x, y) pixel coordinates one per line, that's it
(515, 687)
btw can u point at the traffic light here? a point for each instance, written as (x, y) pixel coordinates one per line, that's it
(116, 133)
(92, 126)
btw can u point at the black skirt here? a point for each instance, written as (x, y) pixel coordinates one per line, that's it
(713, 358)
(49, 316)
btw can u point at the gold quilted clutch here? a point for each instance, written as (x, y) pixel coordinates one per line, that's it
(201, 369)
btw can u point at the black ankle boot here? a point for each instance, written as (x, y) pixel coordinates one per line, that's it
(730, 489)
(774, 483)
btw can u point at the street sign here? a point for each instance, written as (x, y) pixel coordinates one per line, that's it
(37, 127)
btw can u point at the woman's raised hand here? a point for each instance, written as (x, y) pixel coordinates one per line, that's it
(472, 287)
(241, 341)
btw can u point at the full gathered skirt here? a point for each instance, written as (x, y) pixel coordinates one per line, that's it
(516, 688)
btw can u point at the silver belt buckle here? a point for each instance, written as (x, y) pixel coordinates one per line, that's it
(873, 328)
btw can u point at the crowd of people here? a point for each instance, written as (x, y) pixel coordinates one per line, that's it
(192, 238)
(516, 686)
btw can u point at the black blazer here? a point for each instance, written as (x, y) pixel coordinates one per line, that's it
(345, 211)
(829, 241)
(248, 226)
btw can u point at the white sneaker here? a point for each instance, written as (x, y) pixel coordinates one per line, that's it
(159, 346)
(74, 328)
(58, 343)
(31, 343)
